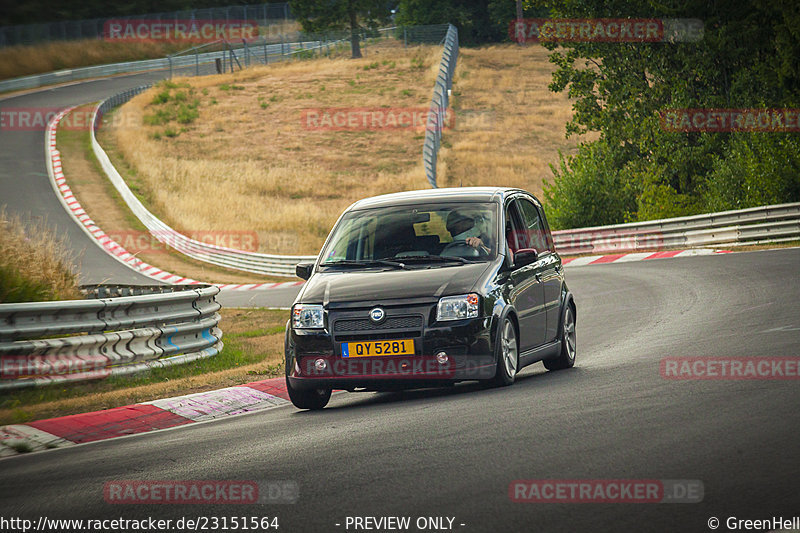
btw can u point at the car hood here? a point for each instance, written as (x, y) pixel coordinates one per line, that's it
(373, 285)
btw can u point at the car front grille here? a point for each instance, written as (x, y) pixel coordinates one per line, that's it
(348, 325)
(350, 328)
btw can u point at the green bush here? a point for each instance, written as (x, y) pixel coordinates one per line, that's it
(588, 189)
(656, 196)
(757, 169)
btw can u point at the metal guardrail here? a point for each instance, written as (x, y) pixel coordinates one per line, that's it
(740, 226)
(437, 114)
(115, 331)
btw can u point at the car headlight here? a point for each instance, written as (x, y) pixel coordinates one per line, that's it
(305, 316)
(457, 307)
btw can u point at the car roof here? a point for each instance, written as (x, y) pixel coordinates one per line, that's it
(454, 194)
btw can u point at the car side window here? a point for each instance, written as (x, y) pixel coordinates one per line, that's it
(533, 226)
(547, 233)
(515, 235)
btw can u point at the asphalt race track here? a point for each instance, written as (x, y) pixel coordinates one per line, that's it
(25, 186)
(453, 452)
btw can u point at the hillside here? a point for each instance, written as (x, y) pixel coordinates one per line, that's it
(256, 144)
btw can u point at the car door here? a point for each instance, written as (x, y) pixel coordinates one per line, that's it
(527, 293)
(548, 265)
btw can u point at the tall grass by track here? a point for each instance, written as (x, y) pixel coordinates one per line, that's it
(35, 264)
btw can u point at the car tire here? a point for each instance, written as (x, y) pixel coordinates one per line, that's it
(312, 399)
(566, 358)
(507, 355)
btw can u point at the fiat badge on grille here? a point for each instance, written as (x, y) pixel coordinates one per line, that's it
(377, 314)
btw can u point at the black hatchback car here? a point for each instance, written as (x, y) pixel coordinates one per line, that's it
(429, 288)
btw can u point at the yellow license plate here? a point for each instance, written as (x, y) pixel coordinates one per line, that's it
(378, 348)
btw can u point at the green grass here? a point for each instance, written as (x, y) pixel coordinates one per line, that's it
(262, 332)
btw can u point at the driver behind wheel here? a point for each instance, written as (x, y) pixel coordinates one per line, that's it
(470, 227)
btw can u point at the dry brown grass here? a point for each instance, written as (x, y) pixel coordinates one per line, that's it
(35, 265)
(249, 151)
(265, 171)
(25, 60)
(514, 125)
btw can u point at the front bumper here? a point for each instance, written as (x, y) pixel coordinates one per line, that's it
(314, 358)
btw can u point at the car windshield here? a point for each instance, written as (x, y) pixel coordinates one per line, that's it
(442, 234)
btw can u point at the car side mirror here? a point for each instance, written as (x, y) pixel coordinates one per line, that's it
(303, 270)
(524, 257)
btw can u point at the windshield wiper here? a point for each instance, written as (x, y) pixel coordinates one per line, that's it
(357, 263)
(434, 259)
